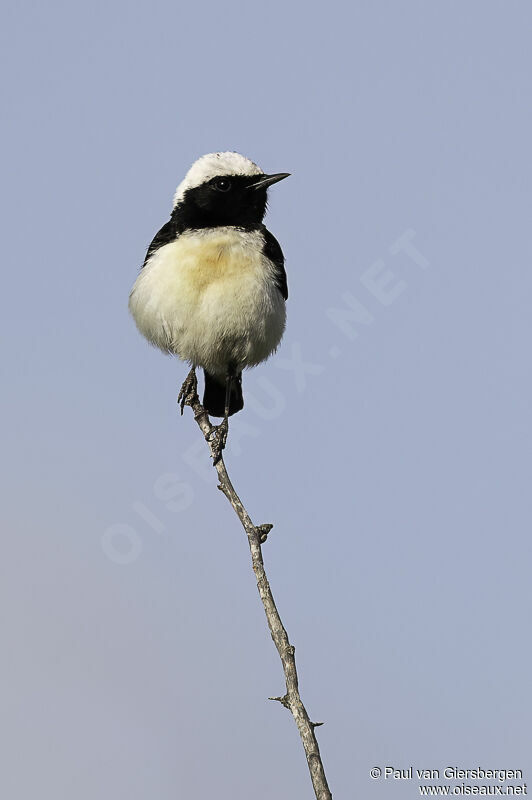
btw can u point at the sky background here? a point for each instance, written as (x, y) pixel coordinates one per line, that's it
(388, 440)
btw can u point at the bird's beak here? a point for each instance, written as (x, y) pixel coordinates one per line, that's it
(264, 181)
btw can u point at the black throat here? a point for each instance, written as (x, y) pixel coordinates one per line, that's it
(206, 207)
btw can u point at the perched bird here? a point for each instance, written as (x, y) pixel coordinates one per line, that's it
(212, 289)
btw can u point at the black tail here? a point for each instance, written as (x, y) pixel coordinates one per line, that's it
(214, 395)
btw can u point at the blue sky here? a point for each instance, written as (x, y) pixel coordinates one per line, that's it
(388, 440)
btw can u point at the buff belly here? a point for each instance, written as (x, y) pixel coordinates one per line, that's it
(210, 297)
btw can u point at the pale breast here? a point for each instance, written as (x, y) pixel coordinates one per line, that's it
(210, 297)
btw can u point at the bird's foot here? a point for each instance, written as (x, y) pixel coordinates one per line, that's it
(218, 440)
(189, 390)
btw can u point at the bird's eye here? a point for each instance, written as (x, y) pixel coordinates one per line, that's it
(222, 185)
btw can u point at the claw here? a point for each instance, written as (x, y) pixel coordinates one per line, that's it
(189, 390)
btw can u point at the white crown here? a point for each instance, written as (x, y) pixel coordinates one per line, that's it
(213, 164)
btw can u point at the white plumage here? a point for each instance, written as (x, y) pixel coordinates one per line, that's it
(210, 297)
(213, 164)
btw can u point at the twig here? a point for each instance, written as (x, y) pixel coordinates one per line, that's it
(256, 536)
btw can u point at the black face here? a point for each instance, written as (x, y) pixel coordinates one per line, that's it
(224, 200)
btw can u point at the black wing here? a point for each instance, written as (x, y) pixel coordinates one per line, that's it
(272, 250)
(166, 235)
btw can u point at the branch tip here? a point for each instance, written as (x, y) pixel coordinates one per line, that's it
(282, 700)
(262, 531)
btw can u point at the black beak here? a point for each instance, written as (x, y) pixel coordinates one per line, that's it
(263, 181)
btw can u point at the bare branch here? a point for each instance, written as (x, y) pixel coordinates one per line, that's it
(256, 537)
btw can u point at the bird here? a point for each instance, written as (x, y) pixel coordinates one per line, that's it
(212, 289)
